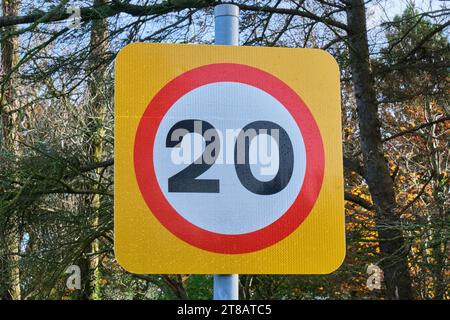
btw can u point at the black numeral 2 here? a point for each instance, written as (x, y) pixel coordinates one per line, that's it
(185, 180)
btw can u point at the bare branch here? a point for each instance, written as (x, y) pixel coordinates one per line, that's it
(97, 165)
(416, 128)
(359, 201)
(113, 8)
(354, 166)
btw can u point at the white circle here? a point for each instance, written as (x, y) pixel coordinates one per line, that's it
(234, 210)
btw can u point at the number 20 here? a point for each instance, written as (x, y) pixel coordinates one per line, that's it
(185, 180)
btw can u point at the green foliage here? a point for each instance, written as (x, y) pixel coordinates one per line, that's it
(199, 287)
(48, 182)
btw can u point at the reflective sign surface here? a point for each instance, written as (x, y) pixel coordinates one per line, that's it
(228, 160)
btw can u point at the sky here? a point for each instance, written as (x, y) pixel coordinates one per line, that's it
(379, 11)
(384, 10)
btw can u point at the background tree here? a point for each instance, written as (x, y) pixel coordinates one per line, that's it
(9, 139)
(58, 181)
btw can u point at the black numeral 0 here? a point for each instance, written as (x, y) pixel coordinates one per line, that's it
(286, 160)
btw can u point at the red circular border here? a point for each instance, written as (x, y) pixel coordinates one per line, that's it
(167, 215)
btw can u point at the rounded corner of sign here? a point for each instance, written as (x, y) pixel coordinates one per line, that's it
(124, 51)
(123, 262)
(119, 259)
(329, 58)
(337, 263)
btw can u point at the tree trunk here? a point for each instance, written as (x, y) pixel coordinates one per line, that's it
(96, 132)
(435, 253)
(392, 244)
(10, 232)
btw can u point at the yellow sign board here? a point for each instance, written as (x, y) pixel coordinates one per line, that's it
(228, 160)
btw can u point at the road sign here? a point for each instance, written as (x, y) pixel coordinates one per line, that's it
(228, 160)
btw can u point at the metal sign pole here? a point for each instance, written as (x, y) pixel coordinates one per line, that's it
(226, 29)
(226, 16)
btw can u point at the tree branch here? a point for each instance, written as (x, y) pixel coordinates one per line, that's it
(354, 166)
(96, 12)
(359, 201)
(417, 197)
(416, 128)
(294, 12)
(425, 39)
(93, 166)
(115, 7)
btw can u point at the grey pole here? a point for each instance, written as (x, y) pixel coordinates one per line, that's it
(226, 29)
(226, 16)
(226, 287)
